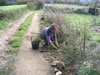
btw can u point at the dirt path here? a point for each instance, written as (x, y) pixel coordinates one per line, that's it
(29, 62)
(7, 33)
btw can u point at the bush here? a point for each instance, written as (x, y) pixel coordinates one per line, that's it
(93, 11)
(40, 4)
(35, 4)
(31, 5)
(2, 15)
(81, 11)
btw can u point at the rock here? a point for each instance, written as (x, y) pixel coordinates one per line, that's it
(59, 73)
(60, 66)
(55, 63)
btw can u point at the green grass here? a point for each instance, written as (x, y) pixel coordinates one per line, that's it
(12, 51)
(11, 7)
(82, 19)
(23, 28)
(16, 42)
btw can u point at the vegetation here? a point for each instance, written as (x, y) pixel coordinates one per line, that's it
(7, 70)
(16, 42)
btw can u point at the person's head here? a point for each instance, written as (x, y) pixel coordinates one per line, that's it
(53, 29)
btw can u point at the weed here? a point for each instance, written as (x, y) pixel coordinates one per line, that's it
(16, 42)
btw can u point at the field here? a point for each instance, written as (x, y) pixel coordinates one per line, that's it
(11, 7)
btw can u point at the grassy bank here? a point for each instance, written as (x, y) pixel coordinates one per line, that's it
(7, 17)
(11, 7)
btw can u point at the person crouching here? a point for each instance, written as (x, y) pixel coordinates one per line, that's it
(49, 36)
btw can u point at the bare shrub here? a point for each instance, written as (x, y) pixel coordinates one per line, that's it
(37, 4)
(30, 5)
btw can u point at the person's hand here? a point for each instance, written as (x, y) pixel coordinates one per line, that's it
(57, 45)
(55, 48)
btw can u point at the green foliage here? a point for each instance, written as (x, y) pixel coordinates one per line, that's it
(24, 26)
(16, 42)
(93, 11)
(87, 70)
(12, 51)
